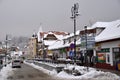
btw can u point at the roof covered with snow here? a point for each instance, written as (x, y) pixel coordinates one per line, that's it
(58, 44)
(49, 42)
(100, 24)
(111, 31)
(72, 34)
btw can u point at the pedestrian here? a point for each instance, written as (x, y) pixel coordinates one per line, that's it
(1, 63)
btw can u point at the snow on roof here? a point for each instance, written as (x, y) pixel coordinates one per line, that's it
(111, 31)
(50, 33)
(78, 42)
(101, 24)
(59, 44)
(110, 27)
(97, 25)
(72, 34)
(60, 37)
(56, 45)
(49, 42)
(65, 37)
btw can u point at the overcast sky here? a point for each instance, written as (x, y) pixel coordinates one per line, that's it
(23, 17)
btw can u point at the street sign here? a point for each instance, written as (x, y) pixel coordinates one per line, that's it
(90, 42)
(89, 38)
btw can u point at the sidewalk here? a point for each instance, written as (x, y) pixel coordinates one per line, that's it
(112, 71)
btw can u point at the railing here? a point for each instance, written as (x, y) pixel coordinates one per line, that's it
(65, 61)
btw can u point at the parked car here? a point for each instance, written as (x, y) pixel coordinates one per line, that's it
(16, 63)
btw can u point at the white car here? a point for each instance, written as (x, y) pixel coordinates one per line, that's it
(16, 63)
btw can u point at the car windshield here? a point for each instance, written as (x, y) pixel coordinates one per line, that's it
(16, 61)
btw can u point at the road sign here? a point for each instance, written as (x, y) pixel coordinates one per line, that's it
(90, 41)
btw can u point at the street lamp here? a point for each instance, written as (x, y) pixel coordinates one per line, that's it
(86, 54)
(6, 49)
(74, 11)
(6, 43)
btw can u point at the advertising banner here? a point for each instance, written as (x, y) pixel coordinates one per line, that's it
(101, 57)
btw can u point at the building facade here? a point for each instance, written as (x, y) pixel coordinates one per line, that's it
(32, 45)
(108, 54)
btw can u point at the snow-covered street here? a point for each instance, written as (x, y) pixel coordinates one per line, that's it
(92, 74)
(26, 72)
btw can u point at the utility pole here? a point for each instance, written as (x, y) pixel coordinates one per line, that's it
(6, 50)
(36, 46)
(43, 49)
(86, 54)
(74, 11)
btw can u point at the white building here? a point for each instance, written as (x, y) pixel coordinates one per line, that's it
(108, 44)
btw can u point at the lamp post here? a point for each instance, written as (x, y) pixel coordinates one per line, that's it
(74, 11)
(86, 54)
(36, 38)
(6, 42)
(43, 49)
(6, 50)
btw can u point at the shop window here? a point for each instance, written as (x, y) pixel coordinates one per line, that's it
(116, 55)
(116, 50)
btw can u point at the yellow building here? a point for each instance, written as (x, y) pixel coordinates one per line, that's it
(32, 47)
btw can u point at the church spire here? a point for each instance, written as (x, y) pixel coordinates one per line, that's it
(38, 34)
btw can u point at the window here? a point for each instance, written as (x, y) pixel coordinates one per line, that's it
(116, 50)
(116, 55)
(105, 50)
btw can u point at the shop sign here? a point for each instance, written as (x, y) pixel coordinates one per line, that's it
(90, 42)
(101, 57)
(89, 38)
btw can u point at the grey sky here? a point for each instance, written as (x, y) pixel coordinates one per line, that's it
(23, 17)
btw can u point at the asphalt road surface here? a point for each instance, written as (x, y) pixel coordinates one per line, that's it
(27, 72)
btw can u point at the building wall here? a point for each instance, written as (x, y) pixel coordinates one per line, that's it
(111, 45)
(32, 47)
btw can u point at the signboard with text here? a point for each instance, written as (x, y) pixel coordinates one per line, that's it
(90, 42)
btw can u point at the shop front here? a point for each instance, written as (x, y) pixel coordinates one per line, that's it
(104, 59)
(116, 57)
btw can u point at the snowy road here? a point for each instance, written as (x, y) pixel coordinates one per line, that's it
(26, 73)
(29, 71)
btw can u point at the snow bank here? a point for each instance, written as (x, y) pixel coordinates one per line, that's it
(5, 72)
(92, 73)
